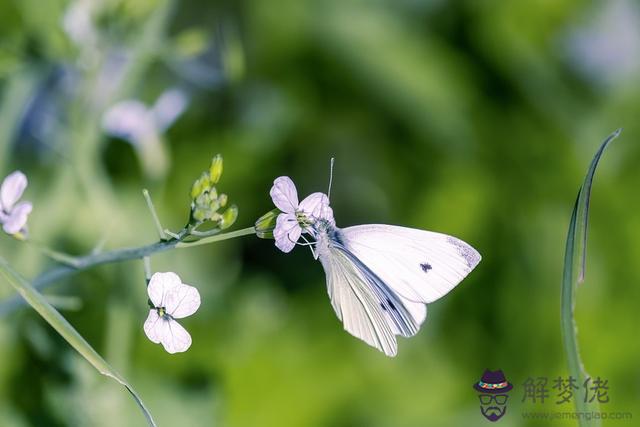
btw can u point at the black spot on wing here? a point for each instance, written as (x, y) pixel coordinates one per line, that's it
(425, 266)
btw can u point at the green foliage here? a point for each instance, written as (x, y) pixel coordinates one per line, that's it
(468, 118)
(64, 328)
(573, 274)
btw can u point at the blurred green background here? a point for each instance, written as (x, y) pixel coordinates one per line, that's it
(477, 119)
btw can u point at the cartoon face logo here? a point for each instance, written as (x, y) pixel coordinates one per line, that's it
(492, 390)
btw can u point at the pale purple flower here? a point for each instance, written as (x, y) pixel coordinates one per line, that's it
(172, 300)
(296, 218)
(143, 126)
(135, 122)
(78, 23)
(606, 45)
(13, 215)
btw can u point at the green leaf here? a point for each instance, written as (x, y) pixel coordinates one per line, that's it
(64, 328)
(573, 274)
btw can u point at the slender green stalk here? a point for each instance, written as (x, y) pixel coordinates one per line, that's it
(92, 260)
(39, 303)
(147, 269)
(573, 274)
(60, 257)
(154, 214)
(218, 238)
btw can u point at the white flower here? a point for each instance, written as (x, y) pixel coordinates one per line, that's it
(606, 45)
(296, 217)
(77, 22)
(13, 216)
(133, 121)
(172, 300)
(142, 126)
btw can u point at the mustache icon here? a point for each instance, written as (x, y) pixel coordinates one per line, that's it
(493, 413)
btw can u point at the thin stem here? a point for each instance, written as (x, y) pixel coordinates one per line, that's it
(176, 236)
(205, 233)
(60, 257)
(217, 238)
(147, 268)
(88, 261)
(154, 214)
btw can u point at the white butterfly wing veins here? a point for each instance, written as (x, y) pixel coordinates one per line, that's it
(380, 278)
(357, 308)
(422, 266)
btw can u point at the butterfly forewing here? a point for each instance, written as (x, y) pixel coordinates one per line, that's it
(419, 265)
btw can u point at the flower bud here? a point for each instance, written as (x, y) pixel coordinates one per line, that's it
(266, 223)
(229, 217)
(201, 185)
(215, 171)
(222, 199)
(199, 214)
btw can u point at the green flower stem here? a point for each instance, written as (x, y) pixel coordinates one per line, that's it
(218, 238)
(60, 257)
(154, 214)
(146, 261)
(92, 260)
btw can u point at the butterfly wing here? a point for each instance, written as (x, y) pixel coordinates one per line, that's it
(364, 304)
(420, 266)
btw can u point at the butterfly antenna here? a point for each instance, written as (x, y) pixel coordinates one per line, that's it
(330, 178)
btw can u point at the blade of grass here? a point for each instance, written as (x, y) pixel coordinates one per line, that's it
(38, 302)
(573, 274)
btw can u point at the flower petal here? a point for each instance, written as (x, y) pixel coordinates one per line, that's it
(284, 194)
(182, 301)
(287, 232)
(161, 284)
(175, 338)
(129, 120)
(169, 107)
(12, 188)
(16, 221)
(317, 206)
(153, 326)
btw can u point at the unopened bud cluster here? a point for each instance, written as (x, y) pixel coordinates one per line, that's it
(206, 203)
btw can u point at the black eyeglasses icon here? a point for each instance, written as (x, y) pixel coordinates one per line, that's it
(500, 399)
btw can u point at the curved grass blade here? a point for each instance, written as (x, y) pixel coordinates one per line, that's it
(38, 302)
(573, 274)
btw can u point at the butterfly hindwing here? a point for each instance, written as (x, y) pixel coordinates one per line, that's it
(368, 309)
(355, 305)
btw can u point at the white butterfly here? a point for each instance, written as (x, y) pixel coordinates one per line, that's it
(379, 277)
(171, 300)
